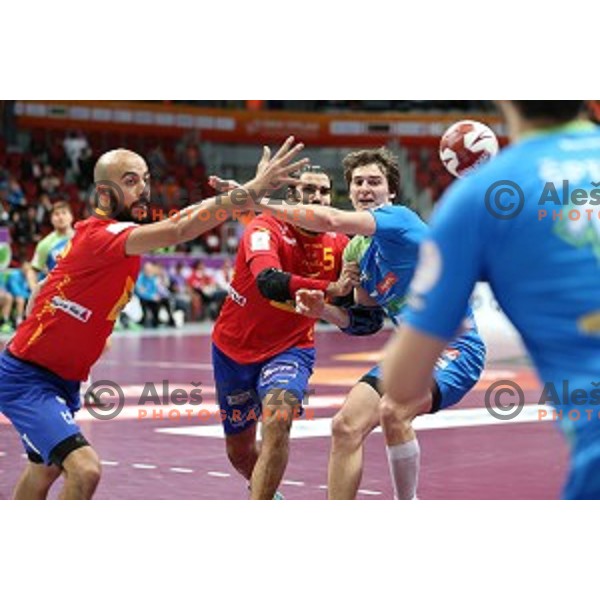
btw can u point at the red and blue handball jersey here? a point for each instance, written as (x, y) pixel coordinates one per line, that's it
(78, 305)
(252, 328)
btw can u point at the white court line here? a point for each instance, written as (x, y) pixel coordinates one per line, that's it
(448, 419)
(143, 466)
(370, 492)
(218, 474)
(181, 470)
(109, 463)
(292, 482)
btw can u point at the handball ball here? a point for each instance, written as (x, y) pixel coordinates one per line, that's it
(466, 145)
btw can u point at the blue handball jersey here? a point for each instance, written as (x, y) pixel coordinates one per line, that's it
(389, 261)
(528, 222)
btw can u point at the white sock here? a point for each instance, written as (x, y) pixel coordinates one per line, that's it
(404, 460)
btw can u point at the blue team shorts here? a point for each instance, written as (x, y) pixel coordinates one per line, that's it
(41, 407)
(457, 370)
(241, 388)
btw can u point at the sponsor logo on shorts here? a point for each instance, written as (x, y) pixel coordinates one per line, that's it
(68, 417)
(81, 313)
(386, 285)
(278, 370)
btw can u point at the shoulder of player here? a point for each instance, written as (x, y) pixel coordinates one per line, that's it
(340, 240)
(266, 223)
(94, 226)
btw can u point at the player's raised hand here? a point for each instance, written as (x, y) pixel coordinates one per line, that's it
(310, 303)
(349, 279)
(351, 272)
(276, 171)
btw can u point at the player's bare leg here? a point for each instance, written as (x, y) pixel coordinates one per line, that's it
(242, 451)
(82, 474)
(351, 425)
(274, 452)
(404, 454)
(35, 481)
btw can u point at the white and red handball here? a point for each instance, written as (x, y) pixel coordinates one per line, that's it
(466, 145)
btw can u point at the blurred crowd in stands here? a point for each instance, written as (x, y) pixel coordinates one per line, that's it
(58, 168)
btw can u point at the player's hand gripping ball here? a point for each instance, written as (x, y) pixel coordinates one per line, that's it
(466, 145)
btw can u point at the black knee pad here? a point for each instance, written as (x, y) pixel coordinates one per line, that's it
(60, 452)
(373, 382)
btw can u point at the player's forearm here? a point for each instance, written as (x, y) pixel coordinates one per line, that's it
(336, 316)
(320, 218)
(188, 223)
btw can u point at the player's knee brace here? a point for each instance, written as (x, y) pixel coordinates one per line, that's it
(364, 320)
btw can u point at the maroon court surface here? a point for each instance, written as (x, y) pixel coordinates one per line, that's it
(153, 451)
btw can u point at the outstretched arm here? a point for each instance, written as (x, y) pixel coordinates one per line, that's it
(200, 218)
(312, 217)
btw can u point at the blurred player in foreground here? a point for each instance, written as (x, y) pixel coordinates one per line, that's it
(76, 309)
(528, 223)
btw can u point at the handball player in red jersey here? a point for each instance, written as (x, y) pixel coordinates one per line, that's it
(263, 351)
(74, 311)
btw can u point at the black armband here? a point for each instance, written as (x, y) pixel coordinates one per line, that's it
(274, 284)
(364, 320)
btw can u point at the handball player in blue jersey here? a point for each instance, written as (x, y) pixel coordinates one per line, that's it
(386, 248)
(528, 222)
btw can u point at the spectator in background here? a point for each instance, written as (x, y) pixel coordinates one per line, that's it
(207, 298)
(16, 197)
(6, 304)
(49, 182)
(223, 278)
(44, 211)
(74, 145)
(180, 289)
(18, 287)
(19, 230)
(157, 162)
(32, 226)
(164, 293)
(4, 216)
(224, 275)
(146, 289)
(86, 163)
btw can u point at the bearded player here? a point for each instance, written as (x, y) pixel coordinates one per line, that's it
(263, 351)
(75, 311)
